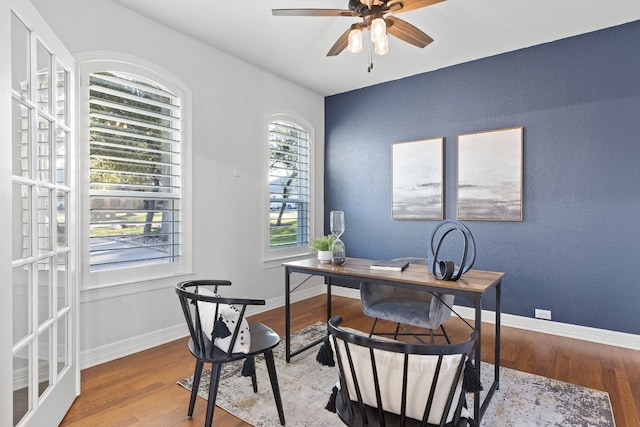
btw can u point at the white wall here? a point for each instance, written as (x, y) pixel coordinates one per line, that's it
(230, 98)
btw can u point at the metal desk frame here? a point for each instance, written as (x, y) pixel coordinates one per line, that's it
(473, 285)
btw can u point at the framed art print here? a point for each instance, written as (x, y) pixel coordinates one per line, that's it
(417, 179)
(490, 175)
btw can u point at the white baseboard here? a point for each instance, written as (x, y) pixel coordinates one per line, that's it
(109, 352)
(118, 349)
(600, 336)
(585, 333)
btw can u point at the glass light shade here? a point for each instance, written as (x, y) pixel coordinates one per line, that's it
(378, 29)
(355, 41)
(382, 46)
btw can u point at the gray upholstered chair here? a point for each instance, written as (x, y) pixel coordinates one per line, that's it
(406, 306)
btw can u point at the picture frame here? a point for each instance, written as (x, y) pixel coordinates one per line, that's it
(489, 186)
(418, 179)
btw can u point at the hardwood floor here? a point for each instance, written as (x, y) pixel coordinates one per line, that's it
(141, 389)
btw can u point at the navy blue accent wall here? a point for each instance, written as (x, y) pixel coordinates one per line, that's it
(577, 251)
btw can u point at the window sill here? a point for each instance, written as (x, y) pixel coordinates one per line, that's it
(277, 262)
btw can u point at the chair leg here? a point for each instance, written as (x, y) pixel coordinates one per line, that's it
(271, 367)
(249, 370)
(445, 334)
(395, 335)
(213, 392)
(373, 326)
(254, 382)
(196, 384)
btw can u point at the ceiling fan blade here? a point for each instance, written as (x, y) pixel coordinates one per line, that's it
(312, 12)
(407, 32)
(340, 44)
(411, 4)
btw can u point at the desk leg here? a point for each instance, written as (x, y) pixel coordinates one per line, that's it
(328, 302)
(498, 320)
(287, 315)
(496, 366)
(288, 353)
(478, 357)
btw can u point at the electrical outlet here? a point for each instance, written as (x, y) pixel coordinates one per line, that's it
(543, 314)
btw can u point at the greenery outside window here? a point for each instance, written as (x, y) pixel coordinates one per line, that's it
(289, 186)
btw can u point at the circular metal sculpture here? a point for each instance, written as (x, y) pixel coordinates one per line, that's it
(446, 269)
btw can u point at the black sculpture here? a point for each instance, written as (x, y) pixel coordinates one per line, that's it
(446, 269)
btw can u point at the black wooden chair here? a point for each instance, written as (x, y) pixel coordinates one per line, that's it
(384, 382)
(215, 319)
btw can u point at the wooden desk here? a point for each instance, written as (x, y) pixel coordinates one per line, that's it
(473, 285)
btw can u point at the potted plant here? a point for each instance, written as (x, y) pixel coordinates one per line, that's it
(323, 245)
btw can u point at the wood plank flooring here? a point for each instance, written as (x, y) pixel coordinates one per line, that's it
(141, 389)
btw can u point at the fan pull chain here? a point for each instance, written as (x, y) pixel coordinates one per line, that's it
(370, 66)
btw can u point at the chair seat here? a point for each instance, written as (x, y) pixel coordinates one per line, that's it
(342, 409)
(372, 416)
(411, 312)
(263, 338)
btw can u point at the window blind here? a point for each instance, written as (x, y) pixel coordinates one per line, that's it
(134, 183)
(288, 185)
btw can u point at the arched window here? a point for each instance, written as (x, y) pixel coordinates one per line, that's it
(134, 149)
(289, 186)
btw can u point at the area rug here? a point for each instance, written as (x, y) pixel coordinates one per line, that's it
(523, 399)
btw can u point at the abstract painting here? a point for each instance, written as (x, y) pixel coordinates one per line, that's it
(417, 179)
(490, 175)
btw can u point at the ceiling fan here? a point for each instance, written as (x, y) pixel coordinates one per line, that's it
(374, 14)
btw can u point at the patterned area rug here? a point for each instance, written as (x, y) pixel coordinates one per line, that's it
(523, 399)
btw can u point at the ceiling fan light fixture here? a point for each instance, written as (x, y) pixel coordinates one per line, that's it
(372, 17)
(378, 29)
(355, 40)
(381, 46)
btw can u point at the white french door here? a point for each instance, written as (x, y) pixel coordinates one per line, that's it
(43, 220)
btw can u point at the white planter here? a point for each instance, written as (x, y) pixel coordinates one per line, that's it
(324, 257)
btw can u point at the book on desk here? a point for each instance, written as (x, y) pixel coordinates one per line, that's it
(389, 265)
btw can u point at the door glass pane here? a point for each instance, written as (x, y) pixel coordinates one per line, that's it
(63, 281)
(44, 290)
(61, 218)
(44, 360)
(44, 210)
(43, 243)
(61, 94)
(61, 156)
(63, 360)
(20, 147)
(21, 297)
(19, 56)
(43, 151)
(21, 229)
(21, 384)
(43, 76)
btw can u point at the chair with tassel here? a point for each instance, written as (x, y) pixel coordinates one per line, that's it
(383, 382)
(220, 334)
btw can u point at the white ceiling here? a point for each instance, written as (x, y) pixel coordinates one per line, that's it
(295, 48)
